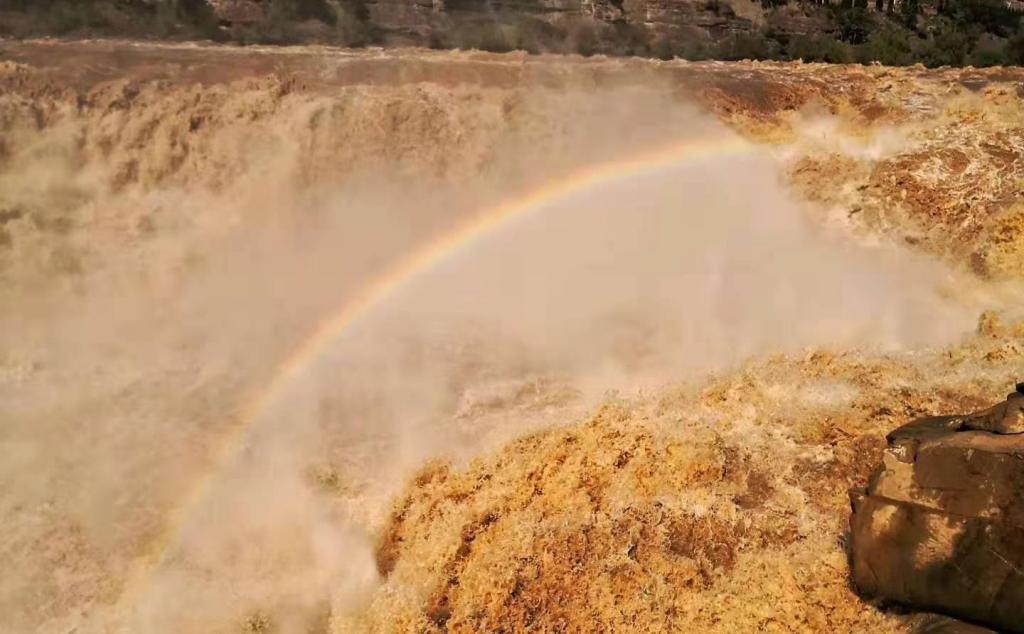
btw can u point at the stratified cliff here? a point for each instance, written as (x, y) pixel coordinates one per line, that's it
(892, 32)
(641, 27)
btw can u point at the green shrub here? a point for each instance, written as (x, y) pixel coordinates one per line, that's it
(1015, 49)
(819, 48)
(988, 16)
(350, 30)
(948, 43)
(909, 10)
(315, 10)
(753, 45)
(890, 45)
(66, 16)
(989, 51)
(696, 50)
(853, 23)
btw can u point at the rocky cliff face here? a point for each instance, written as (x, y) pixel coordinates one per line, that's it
(588, 25)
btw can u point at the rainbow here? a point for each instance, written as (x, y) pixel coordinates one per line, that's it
(406, 269)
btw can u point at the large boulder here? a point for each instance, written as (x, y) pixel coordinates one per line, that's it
(936, 624)
(940, 526)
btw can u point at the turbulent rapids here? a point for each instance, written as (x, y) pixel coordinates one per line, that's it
(306, 340)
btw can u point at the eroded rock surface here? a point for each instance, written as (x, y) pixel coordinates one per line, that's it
(941, 523)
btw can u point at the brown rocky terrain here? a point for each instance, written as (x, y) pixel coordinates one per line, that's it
(714, 499)
(982, 33)
(536, 25)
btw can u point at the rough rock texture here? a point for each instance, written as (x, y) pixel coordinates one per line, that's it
(941, 523)
(418, 19)
(945, 625)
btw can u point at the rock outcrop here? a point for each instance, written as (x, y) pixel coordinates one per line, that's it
(941, 524)
(522, 23)
(945, 625)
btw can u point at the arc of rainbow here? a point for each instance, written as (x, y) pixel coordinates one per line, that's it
(407, 268)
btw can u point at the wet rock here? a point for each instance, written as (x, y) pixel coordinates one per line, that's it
(1005, 418)
(946, 625)
(940, 526)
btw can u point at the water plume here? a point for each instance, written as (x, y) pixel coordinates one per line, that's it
(248, 217)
